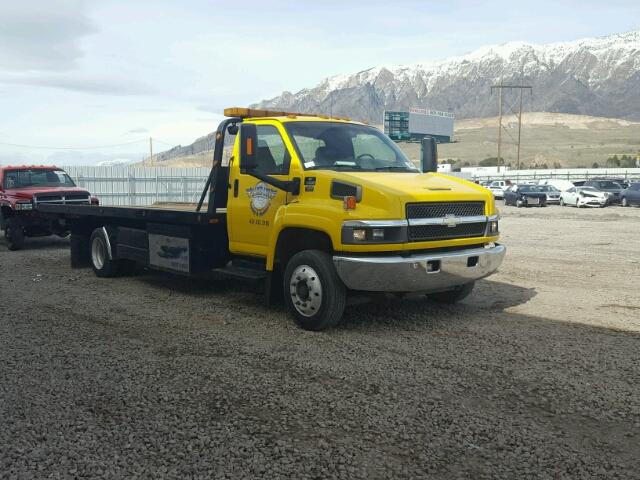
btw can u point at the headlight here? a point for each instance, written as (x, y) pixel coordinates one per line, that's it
(24, 206)
(492, 226)
(359, 234)
(374, 231)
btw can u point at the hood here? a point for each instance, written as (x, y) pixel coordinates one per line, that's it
(28, 192)
(386, 194)
(417, 187)
(593, 194)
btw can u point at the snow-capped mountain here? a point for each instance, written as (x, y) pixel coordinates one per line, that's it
(594, 76)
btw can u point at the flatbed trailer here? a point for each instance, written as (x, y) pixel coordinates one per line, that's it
(310, 207)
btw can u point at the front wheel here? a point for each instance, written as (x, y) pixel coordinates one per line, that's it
(562, 204)
(14, 233)
(314, 294)
(519, 203)
(452, 296)
(624, 202)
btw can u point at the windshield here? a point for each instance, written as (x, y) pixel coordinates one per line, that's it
(346, 146)
(549, 188)
(530, 188)
(37, 178)
(608, 184)
(587, 189)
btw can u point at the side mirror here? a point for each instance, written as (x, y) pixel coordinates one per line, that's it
(429, 159)
(248, 147)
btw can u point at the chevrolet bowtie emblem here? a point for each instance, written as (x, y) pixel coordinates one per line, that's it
(450, 220)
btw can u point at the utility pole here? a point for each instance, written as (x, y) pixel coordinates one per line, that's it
(150, 150)
(500, 88)
(519, 129)
(499, 125)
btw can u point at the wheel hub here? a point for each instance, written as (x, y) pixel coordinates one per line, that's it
(98, 253)
(306, 290)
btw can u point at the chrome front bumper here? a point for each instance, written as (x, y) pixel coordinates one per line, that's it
(422, 272)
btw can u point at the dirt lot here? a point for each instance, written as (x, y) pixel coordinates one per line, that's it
(536, 375)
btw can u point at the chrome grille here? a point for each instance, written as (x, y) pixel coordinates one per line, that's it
(442, 209)
(420, 233)
(62, 199)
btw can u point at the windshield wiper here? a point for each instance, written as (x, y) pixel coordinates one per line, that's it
(396, 167)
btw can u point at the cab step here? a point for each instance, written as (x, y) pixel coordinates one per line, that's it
(244, 273)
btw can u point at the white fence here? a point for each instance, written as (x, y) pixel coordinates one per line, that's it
(140, 185)
(147, 185)
(563, 173)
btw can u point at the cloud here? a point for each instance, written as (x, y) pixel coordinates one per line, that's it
(37, 35)
(82, 84)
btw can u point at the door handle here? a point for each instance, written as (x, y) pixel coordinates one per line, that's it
(235, 187)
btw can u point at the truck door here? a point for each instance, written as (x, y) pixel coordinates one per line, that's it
(252, 203)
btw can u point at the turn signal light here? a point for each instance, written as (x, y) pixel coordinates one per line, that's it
(350, 203)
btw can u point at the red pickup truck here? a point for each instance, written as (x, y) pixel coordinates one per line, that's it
(22, 189)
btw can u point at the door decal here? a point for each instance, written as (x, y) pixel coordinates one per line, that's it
(261, 195)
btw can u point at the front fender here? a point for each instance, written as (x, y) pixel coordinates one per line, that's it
(287, 219)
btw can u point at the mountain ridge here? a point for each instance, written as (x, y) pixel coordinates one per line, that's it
(590, 76)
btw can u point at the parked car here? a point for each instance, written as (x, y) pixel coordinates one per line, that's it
(553, 194)
(22, 189)
(560, 184)
(630, 195)
(619, 180)
(498, 187)
(525, 196)
(613, 189)
(583, 197)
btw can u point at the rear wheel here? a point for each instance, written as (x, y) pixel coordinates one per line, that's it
(452, 296)
(14, 233)
(101, 257)
(314, 294)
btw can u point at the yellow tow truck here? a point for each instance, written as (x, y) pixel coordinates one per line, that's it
(311, 207)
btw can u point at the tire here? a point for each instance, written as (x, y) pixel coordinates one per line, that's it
(624, 202)
(577, 204)
(452, 296)
(313, 292)
(562, 204)
(14, 234)
(101, 263)
(519, 203)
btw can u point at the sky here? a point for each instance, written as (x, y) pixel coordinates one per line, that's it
(87, 80)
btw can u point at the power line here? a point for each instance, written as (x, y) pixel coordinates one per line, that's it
(500, 88)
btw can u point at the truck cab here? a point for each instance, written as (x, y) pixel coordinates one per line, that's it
(22, 189)
(317, 207)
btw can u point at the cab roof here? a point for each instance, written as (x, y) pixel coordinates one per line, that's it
(254, 113)
(29, 167)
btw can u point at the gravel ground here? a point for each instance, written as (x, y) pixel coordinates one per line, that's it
(535, 375)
